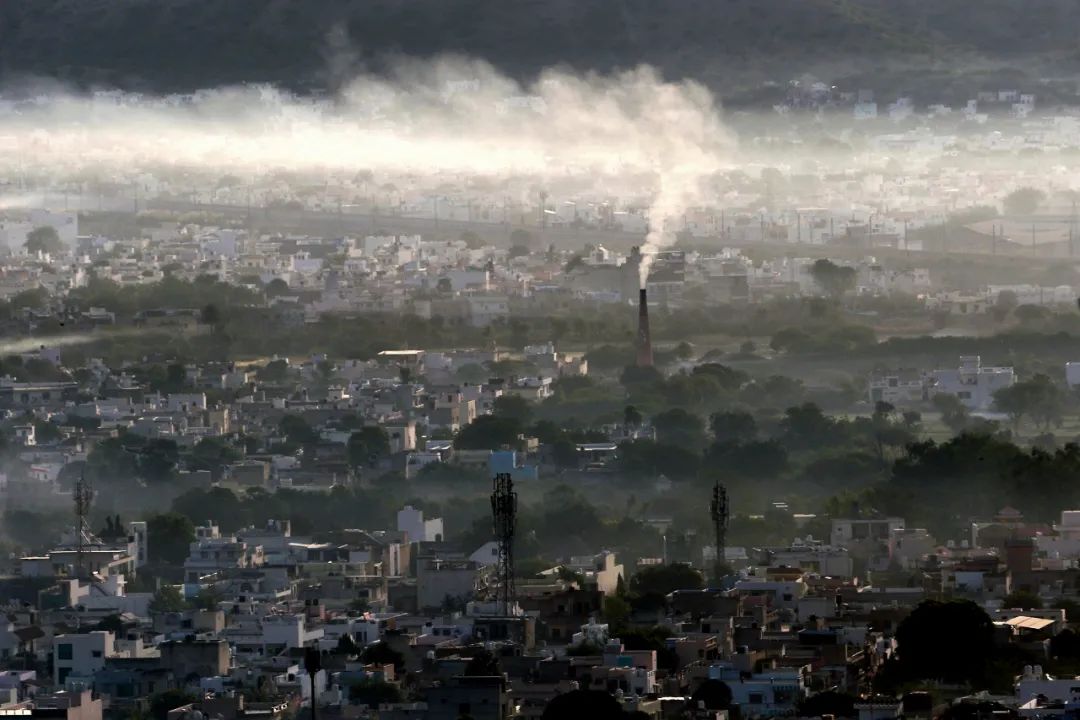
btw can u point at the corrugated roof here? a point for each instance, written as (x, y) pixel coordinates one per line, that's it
(1030, 623)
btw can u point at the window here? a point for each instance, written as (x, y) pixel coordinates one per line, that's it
(63, 651)
(95, 653)
(757, 698)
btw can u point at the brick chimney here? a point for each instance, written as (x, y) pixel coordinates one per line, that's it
(644, 340)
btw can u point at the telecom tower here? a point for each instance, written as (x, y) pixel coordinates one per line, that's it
(83, 496)
(718, 509)
(504, 516)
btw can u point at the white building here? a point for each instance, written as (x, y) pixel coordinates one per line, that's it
(211, 552)
(765, 694)
(1072, 374)
(902, 387)
(972, 383)
(813, 557)
(846, 531)
(411, 521)
(270, 635)
(80, 656)
(1065, 542)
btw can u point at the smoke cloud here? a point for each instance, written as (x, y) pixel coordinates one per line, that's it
(630, 134)
(30, 344)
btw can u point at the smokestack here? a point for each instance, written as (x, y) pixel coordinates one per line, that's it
(644, 339)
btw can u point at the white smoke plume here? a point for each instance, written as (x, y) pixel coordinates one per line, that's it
(30, 344)
(630, 133)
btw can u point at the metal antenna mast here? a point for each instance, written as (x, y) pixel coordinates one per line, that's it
(83, 496)
(504, 517)
(718, 509)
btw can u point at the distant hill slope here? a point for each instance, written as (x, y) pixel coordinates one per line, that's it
(185, 44)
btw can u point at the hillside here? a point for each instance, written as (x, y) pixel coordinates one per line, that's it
(728, 44)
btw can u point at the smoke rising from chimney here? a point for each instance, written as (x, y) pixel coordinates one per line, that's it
(630, 134)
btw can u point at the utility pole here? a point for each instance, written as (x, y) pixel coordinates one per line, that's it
(313, 664)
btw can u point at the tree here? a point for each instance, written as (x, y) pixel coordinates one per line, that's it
(43, 239)
(664, 579)
(733, 426)
(169, 537)
(680, 428)
(168, 599)
(347, 646)
(114, 529)
(834, 280)
(163, 702)
(210, 315)
(483, 664)
(583, 705)
(954, 413)
(471, 373)
(616, 611)
(1006, 302)
(208, 598)
(1071, 608)
(1065, 645)
(648, 458)
(156, 461)
(727, 378)
(1023, 201)
(1038, 398)
(513, 407)
(471, 239)
(950, 641)
(111, 623)
(367, 446)
(46, 433)
(1032, 314)
(573, 264)
(276, 288)
(632, 416)
(757, 459)
(830, 702)
(212, 454)
(296, 430)
(382, 654)
(806, 427)
(565, 453)
(489, 432)
(218, 503)
(521, 238)
(273, 371)
(1023, 600)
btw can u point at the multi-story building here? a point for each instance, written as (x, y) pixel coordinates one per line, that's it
(902, 387)
(80, 656)
(973, 383)
(212, 552)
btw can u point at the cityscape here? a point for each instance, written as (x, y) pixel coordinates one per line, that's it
(447, 390)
